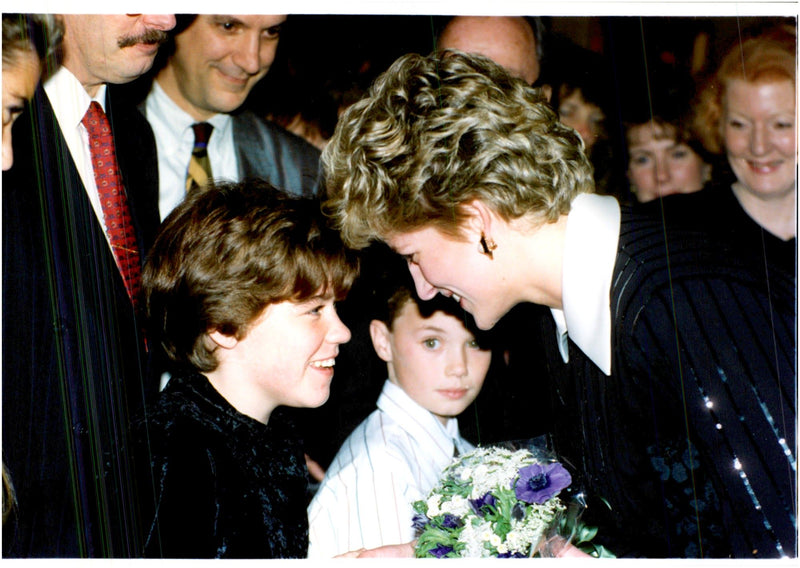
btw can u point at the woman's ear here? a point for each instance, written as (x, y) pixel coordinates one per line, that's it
(381, 339)
(224, 341)
(547, 91)
(479, 217)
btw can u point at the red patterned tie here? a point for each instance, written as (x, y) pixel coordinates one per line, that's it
(116, 213)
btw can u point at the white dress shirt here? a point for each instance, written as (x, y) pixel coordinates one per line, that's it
(172, 128)
(70, 102)
(590, 251)
(393, 458)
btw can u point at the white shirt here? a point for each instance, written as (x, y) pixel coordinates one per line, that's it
(393, 458)
(70, 101)
(172, 128)
(590, 251)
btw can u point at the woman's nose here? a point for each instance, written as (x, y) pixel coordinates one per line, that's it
(425, 290)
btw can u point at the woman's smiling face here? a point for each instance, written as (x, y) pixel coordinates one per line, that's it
(454, 268)
(760, 136)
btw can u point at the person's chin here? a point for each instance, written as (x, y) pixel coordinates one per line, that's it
(484, 323)
(321, 401)
(316, 399)
(227, 103)
(454, 409)
(134, 70)
(766, 186)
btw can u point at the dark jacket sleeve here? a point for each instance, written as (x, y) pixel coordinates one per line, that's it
(136, 153)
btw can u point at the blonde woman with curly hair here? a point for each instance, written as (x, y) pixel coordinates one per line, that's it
(666, 374)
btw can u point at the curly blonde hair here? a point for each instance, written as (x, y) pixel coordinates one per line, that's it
(436, 132)
(768, 57)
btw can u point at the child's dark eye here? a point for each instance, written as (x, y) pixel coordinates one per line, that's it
(272, 32)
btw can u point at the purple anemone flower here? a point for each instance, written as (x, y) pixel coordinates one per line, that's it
(481, 504)
(419, 522)
(511, 555)
(441, 550)
(451, 521)
(540, 483)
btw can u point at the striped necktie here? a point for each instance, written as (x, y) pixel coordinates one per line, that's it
(113, 199)
(199, 171)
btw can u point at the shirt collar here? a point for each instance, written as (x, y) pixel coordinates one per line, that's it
(69, 99)
(590, 252)
(161, 107)
(420, 423)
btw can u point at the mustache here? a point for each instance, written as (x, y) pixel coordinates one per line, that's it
(149, 37)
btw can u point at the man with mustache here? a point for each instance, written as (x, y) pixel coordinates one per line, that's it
(195, 103)
(74, 356)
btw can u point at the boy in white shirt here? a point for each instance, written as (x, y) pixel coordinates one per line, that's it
(395, 456)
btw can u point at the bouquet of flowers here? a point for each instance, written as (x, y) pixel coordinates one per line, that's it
(491, 502)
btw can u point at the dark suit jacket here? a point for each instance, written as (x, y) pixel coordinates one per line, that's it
(73, 355)
(267, 151)
(703, 375)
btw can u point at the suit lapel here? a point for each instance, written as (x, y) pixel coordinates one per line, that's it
(138, 164)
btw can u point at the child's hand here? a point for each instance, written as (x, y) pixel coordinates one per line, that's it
(405, 550)
(352, 554)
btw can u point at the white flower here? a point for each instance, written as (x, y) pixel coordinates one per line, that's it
(519, 542)
(458, 506)
(433, 505)
(472, 537)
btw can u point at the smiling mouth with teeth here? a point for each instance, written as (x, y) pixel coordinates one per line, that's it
(324, 364)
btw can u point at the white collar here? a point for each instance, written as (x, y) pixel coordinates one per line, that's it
(590, 251)
(419, 422)
(160, 106)
(69, 99)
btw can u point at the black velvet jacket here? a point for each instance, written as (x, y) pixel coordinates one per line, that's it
(225, 485)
